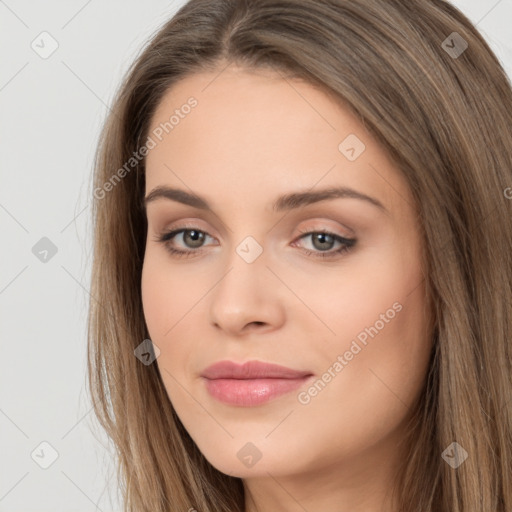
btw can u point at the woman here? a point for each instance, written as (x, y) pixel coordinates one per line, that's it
(239, 364)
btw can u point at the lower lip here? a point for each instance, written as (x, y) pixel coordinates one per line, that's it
(250, 392)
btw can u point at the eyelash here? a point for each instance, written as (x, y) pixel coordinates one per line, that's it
(347, 243)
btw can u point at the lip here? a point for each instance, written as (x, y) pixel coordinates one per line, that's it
(252, 383)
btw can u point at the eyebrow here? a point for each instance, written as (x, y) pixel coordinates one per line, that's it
(284, 203)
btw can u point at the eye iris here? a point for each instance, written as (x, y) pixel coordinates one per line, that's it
(321, 237)
(196, 236)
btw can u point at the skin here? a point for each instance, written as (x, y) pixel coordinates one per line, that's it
(252, 137)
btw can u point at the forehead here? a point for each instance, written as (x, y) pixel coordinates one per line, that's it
(251, 109)
(254, 134)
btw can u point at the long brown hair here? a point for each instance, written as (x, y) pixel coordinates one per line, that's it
(441, 104)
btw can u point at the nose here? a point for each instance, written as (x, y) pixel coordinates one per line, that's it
(246, 298)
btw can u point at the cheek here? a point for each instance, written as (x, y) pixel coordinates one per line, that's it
(373, 371)
(171, 300)
(166, 295)
(378, 342)
(367, 290)
(166, 301)
(387, 348)
(155, 301)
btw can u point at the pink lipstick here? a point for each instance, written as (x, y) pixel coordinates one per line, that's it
(252, 383)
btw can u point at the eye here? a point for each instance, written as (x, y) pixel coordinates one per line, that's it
(322, 240)
(190, 236)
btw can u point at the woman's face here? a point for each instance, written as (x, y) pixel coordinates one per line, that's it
(259, 281)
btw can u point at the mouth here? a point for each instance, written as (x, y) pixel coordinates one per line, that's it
(252, 383)
(251, 392)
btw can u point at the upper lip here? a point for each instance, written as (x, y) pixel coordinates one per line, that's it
(251, 370)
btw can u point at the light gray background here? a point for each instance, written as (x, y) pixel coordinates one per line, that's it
(51, 112)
